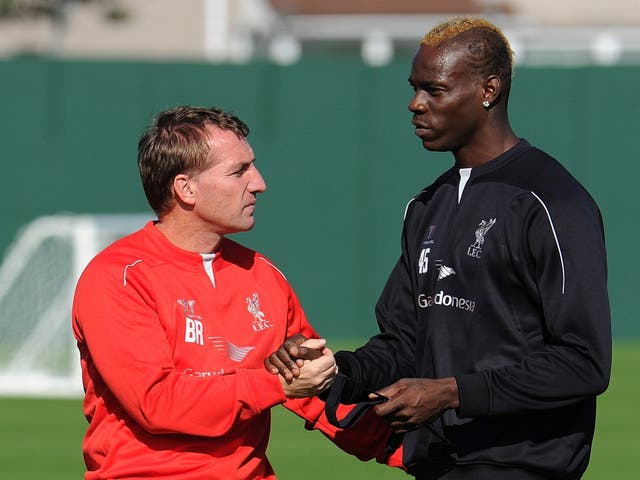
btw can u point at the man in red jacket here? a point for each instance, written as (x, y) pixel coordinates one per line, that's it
(173, 322)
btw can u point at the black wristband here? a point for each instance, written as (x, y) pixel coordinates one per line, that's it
(333, 401)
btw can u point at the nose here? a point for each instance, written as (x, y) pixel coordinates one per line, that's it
(418, 103)
(257, 183)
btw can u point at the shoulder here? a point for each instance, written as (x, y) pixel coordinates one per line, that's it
(246, 257)
(555, 187)
(535, 170)
(536, 175)
(115, 259)
(541, 191)
(445, 181)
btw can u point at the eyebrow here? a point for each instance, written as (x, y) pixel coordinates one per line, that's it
(242, 165)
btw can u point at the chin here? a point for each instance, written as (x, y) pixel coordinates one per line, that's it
(247, 226)
(434, 146)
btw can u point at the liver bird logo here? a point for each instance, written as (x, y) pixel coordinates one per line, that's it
(481, 231)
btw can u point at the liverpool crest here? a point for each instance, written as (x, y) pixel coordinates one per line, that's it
(259, 322)
(475, 249)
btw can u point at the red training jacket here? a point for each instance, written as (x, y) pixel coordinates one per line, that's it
(172, 346)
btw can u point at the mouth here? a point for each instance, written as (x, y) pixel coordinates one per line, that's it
(421, 129)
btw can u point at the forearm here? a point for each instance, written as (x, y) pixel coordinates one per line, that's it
(555, 378)
(175, 402)
(130, 361)
(561, 307)
(376, 364)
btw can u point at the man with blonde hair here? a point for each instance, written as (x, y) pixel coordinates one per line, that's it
(495, 334)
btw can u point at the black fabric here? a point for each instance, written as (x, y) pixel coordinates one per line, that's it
(504, 290)
(333, 401)
(350, 391)
(481, 472)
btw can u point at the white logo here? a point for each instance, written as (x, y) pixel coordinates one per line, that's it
(259, 322)
(234, 352)
(193, 331)
(446, 300)
(423, 262)
(444, 272)
(192, 373)
(475, 249)
(193, 327)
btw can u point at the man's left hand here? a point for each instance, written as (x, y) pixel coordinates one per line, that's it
(414, 402)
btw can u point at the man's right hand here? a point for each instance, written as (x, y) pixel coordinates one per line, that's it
(314, 375)
(291, 355)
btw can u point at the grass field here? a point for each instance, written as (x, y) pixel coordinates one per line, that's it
(40, 439)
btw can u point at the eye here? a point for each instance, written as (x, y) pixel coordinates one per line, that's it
(428, 88)
(243, 168)
(434, 90)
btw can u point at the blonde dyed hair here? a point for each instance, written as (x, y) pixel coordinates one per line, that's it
(489, 50)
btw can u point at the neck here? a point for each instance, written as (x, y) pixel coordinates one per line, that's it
(187, 236)
(490, 143)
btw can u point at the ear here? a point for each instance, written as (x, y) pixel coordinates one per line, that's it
(182, 188)
(491, 90)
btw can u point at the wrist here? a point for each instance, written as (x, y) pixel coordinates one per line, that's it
(286, 385)
(451, 394)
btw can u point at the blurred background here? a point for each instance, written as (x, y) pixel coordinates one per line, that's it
(323, 87)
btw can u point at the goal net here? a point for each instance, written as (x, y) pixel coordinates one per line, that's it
(38, 355)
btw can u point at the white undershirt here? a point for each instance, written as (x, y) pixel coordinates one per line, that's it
(207, 261)
(465, 173)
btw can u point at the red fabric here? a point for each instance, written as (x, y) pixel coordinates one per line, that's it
(173, 364)
(366, 440)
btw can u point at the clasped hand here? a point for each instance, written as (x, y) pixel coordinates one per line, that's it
(315, 369)
(413, 402)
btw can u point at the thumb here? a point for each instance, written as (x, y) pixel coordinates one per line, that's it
(315, 343)
(312, 348)
(390, 390)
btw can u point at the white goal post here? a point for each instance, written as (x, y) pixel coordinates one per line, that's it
(38, 355)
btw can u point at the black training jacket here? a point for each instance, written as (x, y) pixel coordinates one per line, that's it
(506, 290)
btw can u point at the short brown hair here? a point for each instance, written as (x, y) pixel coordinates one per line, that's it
(178, 142)
(489, 50)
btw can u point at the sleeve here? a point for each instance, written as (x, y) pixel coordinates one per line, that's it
(131, 360)
(391, 354)
(561, 255)
(297, 322)
(369, 438)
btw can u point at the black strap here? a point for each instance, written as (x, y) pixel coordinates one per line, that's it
(333, 401)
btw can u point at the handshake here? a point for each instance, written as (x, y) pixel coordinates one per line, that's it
(306, 367)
